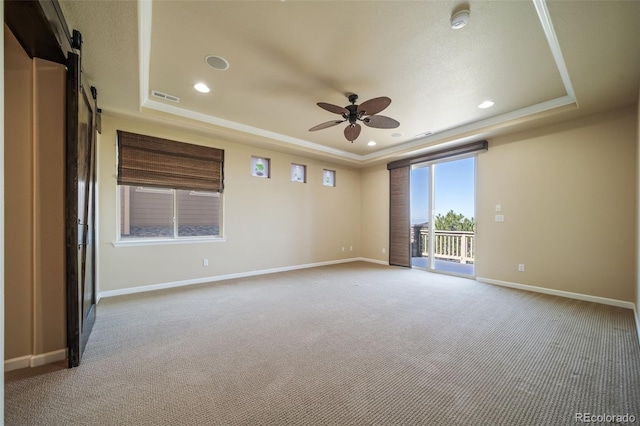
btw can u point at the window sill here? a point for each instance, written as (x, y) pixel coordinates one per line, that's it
(161, 242)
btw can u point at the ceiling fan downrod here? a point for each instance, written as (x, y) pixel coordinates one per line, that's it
(353, 110)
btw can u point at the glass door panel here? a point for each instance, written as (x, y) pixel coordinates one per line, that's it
(442, 216)
(420, 215)
(453, 216)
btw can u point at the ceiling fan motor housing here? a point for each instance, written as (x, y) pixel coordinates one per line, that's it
(353, 112)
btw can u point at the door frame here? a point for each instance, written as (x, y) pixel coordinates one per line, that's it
(400, 238)
(42, 30)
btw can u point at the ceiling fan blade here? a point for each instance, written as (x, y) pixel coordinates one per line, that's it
(333, 108)
(325, 125)
(352, 132)
(380, 122)
(374, 106)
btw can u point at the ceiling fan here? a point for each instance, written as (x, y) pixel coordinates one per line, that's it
(365, 112)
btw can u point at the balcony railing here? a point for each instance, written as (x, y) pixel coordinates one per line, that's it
(449, 245)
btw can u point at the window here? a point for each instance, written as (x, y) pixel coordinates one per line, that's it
(168, 189)
(260, 167)
(328, 177)
(298, 173)
(168, 213)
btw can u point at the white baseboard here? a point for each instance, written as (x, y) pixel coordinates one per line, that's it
(636, 315)
(379, 262)
(162, 286)
(570, 295)
(561, 293)
(34, 360)
(48, 358)
(17, 363)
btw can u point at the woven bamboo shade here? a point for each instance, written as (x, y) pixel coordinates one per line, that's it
(155, 162)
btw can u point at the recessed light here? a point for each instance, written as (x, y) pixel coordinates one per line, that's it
(217, 62)
(397, 134)
(486, 104)
(371, 143)
(201, 87)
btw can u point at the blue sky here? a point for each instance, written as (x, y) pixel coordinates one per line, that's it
(454, 189)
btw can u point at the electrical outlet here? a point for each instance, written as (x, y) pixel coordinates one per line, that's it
(205, 262)
(521, 267)
(350, 248)
(342, 248)
(384, 250)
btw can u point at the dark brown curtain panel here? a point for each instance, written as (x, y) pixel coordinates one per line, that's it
(155, 162)
(399, 229)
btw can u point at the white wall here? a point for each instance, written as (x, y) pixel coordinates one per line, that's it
(18, 205)
(637, 299)
(268, 223)
(568, 194)
(375, 213)
(2, 217)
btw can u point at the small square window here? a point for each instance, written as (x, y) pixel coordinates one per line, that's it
(260, 167)
(298, 173)
(329, 177)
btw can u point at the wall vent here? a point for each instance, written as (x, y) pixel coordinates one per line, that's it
(165, 96)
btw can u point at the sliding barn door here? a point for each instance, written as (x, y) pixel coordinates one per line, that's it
(80, 202)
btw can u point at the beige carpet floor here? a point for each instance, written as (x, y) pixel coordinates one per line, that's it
(350, 344)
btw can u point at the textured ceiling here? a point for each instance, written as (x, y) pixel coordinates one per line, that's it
(554, 59)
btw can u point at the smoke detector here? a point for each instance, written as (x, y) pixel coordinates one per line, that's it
(460, 19)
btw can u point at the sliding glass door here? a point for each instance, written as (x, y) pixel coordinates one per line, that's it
(442, 216)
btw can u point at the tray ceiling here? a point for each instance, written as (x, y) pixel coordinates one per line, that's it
(531, 58)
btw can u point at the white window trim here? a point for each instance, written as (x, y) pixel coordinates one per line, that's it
(153, 190)
(204, 194)
(164, 241)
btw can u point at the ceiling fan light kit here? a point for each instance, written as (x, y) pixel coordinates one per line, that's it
(365, 112)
